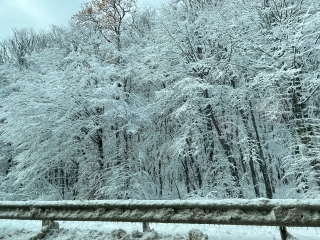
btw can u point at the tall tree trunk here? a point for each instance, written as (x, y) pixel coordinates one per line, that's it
(225, 146)
(160, 180)
(194, 164)
(228, 152)
(262, 160)
(186, 174)
(100, 148)
(251, 163)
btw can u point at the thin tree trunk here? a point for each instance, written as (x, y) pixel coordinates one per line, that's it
(251, 163)
(254, 177)
(193, 162)
(231, 159)
(160, 180)
(225, 146)
(186, 174)
(262, 160)
(100, 148)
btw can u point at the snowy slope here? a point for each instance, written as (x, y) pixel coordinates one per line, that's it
(15, 229)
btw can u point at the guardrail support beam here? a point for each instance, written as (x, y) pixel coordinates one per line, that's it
(259, 212)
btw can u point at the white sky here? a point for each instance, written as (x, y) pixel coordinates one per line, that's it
(40, 14)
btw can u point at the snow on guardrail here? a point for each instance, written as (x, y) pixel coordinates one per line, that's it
(261, 212)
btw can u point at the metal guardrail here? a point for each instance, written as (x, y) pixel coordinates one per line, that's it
(259, 212)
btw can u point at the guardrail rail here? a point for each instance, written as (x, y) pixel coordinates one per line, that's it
(259, 212)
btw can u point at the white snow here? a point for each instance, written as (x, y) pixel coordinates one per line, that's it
(25, 229)
(224, 203)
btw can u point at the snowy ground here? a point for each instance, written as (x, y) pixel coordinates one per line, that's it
(15, 229)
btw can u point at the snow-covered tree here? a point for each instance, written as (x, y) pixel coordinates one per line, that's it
(205, 98)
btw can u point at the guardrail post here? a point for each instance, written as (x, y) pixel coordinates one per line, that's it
(47, 225)
(284, 233)
(50, 224)
(146, 227)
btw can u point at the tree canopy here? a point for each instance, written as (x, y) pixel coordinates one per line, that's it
(212, 99)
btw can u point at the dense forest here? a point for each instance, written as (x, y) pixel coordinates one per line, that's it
(199, 98)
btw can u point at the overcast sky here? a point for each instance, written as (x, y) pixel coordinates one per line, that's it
(39, 14)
